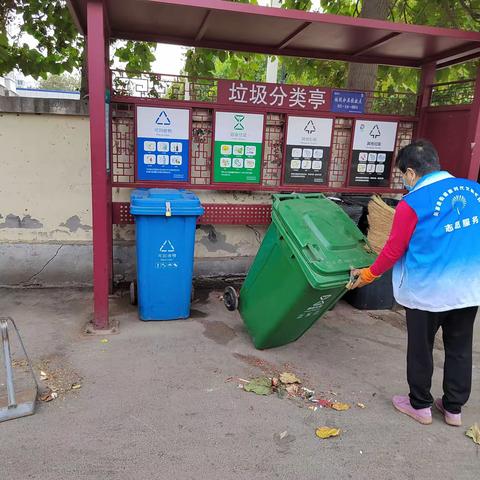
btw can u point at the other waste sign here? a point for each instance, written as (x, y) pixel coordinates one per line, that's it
(238, 147)
(163, 143)
(373, 147)
(308, 147)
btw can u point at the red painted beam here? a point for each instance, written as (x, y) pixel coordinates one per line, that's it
(425, 94)
(287, 41)
(377, 43)
(101, 189)
(203, 27)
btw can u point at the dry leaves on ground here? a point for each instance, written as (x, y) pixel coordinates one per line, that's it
(474, 433)
(289, 378)
(327, 432)
(339, 406)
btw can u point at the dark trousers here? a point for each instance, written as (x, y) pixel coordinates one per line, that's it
(457, 330)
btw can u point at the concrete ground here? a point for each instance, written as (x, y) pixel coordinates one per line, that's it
(155, 402)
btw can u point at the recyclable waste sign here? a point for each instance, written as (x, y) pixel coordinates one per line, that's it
(163, 143)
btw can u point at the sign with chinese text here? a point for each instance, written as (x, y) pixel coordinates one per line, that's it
(348, 102)
(308, 146)
(238, 147)
(373, 147)
(273, 95)
(162, 143)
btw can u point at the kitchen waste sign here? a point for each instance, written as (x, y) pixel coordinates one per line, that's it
(238, 147)
(373, 147)
(308, 147)
(163, 143)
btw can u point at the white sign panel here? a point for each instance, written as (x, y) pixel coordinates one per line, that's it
(153, 122)
(371, 135)
(238, 127)
(309, 131)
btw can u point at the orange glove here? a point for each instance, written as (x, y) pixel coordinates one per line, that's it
(360, 278)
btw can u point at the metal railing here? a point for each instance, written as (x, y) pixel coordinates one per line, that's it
(163, 86)
(460, 92)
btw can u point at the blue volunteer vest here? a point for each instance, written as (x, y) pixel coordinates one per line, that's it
(440, 270)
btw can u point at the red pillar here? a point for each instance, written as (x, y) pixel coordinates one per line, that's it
(426, 80)
(101, 189)
(473, 147)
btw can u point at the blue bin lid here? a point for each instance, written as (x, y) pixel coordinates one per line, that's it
(157, 201)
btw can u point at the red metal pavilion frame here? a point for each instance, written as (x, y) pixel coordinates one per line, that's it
(242, 27)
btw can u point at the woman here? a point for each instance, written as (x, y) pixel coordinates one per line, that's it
(434, 249)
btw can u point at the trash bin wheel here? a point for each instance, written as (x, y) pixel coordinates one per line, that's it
(133, 293)
(230, 299)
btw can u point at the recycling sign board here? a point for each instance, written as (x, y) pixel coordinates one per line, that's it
(373, 147)
(237, 153)
(308, 148)
(163, 143)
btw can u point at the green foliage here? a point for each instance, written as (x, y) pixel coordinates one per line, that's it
(65, 81)
(464, 14)
(58, 46)
(138, 56)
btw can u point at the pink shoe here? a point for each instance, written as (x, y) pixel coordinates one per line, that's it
(453, 419)
(422, 415)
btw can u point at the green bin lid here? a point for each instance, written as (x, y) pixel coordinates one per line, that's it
(321, 234)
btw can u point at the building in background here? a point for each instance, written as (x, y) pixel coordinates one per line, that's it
(16, 84)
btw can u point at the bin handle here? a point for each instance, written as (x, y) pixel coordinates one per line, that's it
(290, 196)
(313, 252)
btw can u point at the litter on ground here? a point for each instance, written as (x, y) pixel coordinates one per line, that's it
(327, 432)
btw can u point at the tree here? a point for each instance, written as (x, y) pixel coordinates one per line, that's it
(58, 45)
(463, 14)
(69, 82)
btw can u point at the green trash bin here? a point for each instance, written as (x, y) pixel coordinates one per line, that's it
(301, 269)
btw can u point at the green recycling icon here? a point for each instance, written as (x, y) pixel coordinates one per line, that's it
(239, 119)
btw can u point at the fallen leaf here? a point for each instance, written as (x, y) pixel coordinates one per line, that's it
(283, 434)
(327, 432)
(474, 433)
(48, 396)
(104, 340)
(361, 405)
(288, 378)
(43, 375)
(292, 389)
(259, 385)
(76, 386)
(340, 406)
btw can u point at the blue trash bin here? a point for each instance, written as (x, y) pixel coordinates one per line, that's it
(165, 232)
